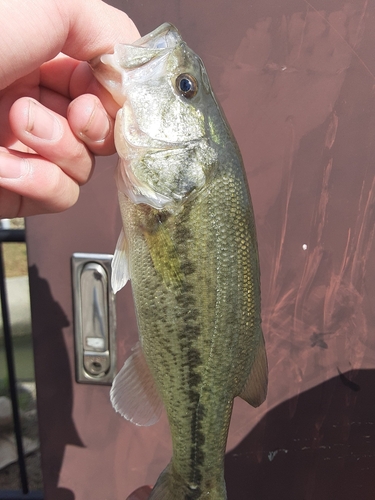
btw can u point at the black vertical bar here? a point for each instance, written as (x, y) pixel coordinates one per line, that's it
(12, 235)
(12, 375)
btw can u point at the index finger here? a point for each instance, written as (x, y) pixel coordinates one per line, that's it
(72, 78)
(57, 73)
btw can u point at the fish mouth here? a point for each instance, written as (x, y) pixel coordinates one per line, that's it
(109, 69)
(164, 37)
(158, 43)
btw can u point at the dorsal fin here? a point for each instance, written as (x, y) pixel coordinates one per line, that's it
(254, 391)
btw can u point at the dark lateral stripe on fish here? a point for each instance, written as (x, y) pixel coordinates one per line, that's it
(186, 299)
(194, 495)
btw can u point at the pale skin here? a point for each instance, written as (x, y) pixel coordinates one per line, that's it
(54, 116)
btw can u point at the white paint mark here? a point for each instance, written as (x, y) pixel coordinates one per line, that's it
(272, 454)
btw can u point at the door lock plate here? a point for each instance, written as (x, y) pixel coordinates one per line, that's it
(94, 318)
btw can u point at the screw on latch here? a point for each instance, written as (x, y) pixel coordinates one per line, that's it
(96, 367)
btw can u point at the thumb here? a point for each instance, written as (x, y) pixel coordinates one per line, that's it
(95, 27)
(82, 29)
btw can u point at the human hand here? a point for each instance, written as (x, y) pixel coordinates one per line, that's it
(54, 116)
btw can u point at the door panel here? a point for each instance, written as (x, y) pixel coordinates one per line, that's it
(295, 79)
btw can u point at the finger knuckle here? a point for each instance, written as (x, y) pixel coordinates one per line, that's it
(79, 164)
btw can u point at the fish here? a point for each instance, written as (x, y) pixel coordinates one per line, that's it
(189, 247)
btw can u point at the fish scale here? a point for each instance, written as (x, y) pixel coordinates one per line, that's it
(190, 251)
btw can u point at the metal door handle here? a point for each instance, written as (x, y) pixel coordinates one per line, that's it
(94, 318)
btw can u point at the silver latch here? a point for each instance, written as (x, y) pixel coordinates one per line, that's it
(94, 318)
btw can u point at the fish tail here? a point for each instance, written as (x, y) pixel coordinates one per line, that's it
(170, 487)
(163, 487)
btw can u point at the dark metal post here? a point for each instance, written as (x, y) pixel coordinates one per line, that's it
(11, 370)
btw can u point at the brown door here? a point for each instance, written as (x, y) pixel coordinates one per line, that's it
(296, 81)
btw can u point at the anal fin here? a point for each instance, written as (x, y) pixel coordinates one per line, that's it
(134, 394)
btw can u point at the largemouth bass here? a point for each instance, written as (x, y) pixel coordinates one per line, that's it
(189, 247)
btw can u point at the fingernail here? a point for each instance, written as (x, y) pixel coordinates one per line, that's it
(12, 167)
(42, 123)
(98, 125)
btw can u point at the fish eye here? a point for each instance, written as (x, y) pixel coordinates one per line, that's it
(187, 85)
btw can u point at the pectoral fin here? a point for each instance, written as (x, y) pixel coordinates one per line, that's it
(255, 388)
(134, 394)
(120, 264)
